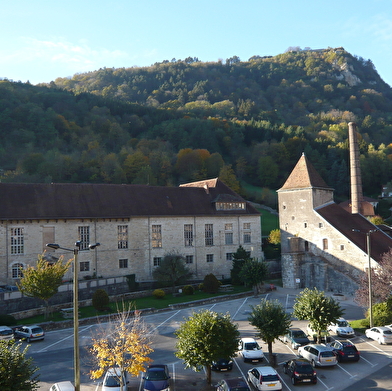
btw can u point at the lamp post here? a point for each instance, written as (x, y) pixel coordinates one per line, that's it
(369, 273)
(75, 252)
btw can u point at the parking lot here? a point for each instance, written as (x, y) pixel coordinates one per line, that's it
(163, 324)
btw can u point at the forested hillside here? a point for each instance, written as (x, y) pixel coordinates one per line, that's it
(184, 120)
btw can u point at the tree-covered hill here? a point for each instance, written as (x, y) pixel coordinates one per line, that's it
(185, 120)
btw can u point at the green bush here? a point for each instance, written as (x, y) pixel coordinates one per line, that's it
(100, 300)
(211, 284)
(7, 320)
(159, 293)
(382, 313)
(188, 290)
(201, 287)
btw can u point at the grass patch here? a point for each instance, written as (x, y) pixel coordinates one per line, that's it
(269, 222)
(360, 325)
(140, 303)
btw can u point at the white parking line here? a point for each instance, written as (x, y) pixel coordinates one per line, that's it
(378, 348)
(165, 321)
(64, 339)
(351, 376)
(238, 310)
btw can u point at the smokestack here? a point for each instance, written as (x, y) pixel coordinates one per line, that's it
(355, 170)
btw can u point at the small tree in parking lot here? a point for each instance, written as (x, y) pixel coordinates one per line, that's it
(312, 305)
(121, 343)
(253, 273)
(204, 337)
(271, 321)
(17, 372)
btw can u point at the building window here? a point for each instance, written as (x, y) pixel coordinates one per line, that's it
(188, 235)
(229, 256)
(157, 261)
(210, 257)
(84, 237)
(342, 247)
(122, 236)
(189, 259)
(320, 225)
(228, 237)
(209, 235)
(305, 225)
(17, 270)
(230, 206)
(156, 236)
(306, 246)
(247, 233)
(123, 263)
(17, 241)
(84, 266)
(325, 244)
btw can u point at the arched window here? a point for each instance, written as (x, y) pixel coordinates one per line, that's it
(17, 270)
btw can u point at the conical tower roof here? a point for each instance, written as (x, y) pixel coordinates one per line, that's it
(304, 175)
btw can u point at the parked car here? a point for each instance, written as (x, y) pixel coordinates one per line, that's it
(235, 384)
(341, 328)
(62, 386)
(382, 334)
(250, 350)
(296, 338)
(6, 333)
(111, 381)
(300, 371)
(223, 364)
(264, 378)
(156, 378)
(325, 336)
(319, 355)
(344, 350)
(29, 333)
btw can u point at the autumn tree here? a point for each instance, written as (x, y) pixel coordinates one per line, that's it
(172, 269)
(319, 310)
(270, 320)
(253, 273)
(17, 372)
(122, 343)
(204, 337)
(227, 176)
(42, 281)
(381, 279)
(274, 236)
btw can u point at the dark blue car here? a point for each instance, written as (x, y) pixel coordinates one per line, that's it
(157, 378)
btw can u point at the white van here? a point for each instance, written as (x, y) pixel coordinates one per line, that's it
(62, 386)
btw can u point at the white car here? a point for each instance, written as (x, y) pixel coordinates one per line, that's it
(382, 334)
(111, 381)
(341, 328)
(250, 350)
(264, 378)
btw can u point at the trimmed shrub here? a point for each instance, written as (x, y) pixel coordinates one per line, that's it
(201, 287)
(211, 284)
(159, 293)
(100, 300)
(188, 290)
(7, 320)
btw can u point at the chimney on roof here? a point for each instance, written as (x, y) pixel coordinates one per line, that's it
(355, 169)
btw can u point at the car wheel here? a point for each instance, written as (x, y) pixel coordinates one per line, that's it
(293, 381)
(379, 341)
(292, 346)
(28, 340)
(315, 381)
(313, 364)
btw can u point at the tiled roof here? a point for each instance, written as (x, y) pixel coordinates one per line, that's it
(355, 227)
(304, 175)
(65, 201)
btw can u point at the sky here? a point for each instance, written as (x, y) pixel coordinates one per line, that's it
(41, 40)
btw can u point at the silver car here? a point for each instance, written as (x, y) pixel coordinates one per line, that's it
(319, 355)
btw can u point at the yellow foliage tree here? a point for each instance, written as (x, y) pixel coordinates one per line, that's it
(124, 344)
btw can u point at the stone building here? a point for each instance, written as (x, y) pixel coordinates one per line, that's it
(323, 244)
(135, 225)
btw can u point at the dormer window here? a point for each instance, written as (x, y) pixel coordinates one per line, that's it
(230, 206)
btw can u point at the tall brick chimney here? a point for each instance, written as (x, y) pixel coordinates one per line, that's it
(355, 169)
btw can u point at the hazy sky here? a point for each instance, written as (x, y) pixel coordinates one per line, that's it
(45, 39)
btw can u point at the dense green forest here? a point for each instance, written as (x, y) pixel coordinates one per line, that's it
(184, 120)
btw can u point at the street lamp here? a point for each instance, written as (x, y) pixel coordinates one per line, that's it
(75, 252)
(369, 273)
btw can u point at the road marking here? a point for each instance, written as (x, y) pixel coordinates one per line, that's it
(238, 310)
(164, 321)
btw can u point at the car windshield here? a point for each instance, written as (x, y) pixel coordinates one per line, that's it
(251, 346)
(111, 381)
(350, 349)
(36, 330)
(270, 378)
(304, 368)
(327, 354)
(298, 334)
(387, 332)
(5, 332)
(239, 389)
(156, 375)
(343, 323)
